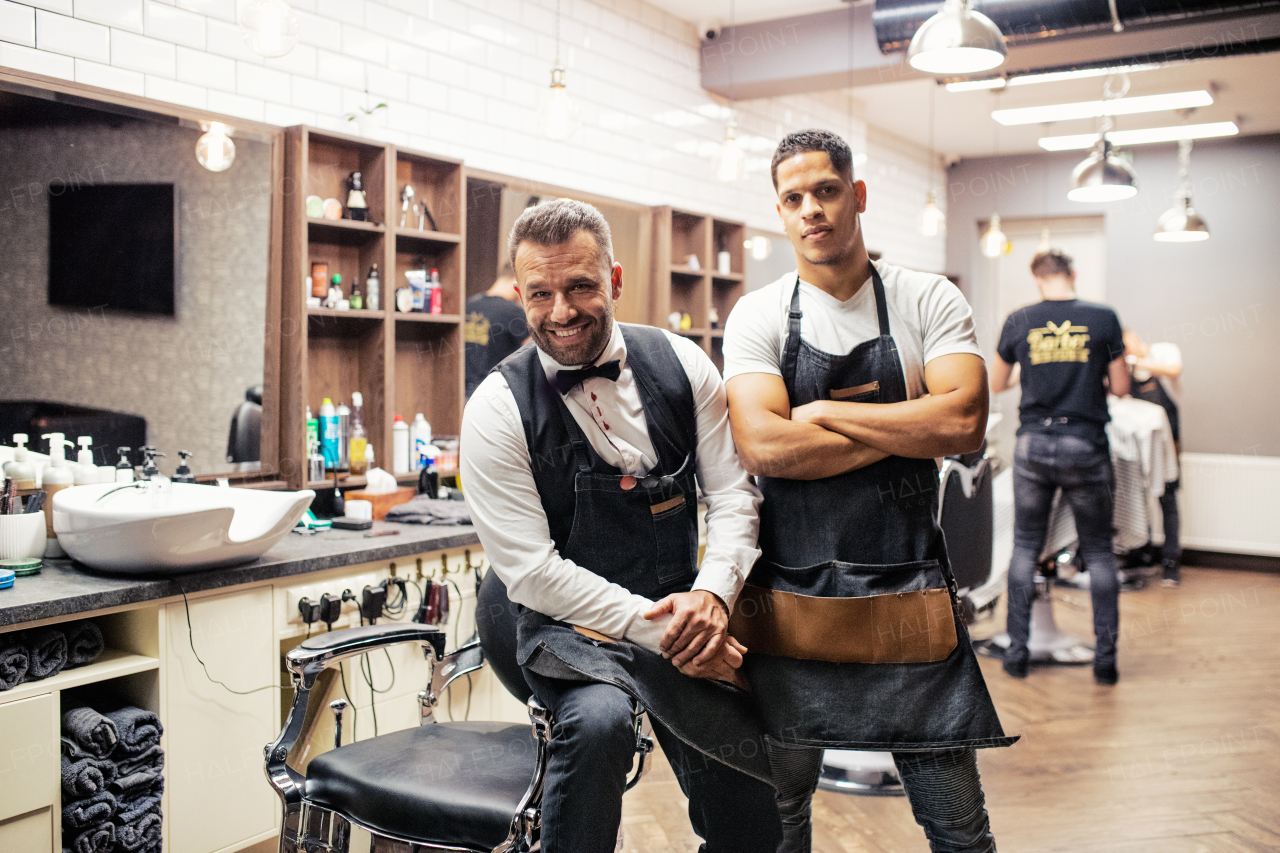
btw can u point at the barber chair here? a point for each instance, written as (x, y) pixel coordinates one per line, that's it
(244, 441)
(460, 787)
(966, 514)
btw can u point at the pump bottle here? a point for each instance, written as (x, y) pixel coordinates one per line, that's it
(57, 477)
(86, 473)
(124, 468)
(20, 470)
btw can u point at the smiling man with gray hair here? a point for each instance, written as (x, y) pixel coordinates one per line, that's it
(581, 458)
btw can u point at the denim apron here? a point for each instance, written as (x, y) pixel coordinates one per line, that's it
(1153, 392)
(640, 533)
(869, 532)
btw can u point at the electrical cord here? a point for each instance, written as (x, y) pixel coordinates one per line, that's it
(186, 605)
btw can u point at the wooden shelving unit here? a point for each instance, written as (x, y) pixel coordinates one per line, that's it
(679, 285)
(401, 363)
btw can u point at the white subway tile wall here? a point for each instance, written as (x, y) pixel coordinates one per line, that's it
(465, 79)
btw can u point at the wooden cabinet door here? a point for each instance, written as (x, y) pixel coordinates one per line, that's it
(30, 760)
(217, 791)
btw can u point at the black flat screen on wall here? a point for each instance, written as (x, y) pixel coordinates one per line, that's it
(114, 246)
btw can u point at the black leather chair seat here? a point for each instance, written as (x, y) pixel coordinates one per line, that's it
(455, 784)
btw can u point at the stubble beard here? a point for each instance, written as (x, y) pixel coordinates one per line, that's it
(594, 339)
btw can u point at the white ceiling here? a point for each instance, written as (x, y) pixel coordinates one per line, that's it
(1243, 86)
(746, 11)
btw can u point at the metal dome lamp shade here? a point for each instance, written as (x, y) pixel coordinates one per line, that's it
(957, 40)
(1102, 176)
(1181, 223)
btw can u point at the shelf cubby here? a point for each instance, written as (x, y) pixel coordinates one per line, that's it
(331, 158)
(428, 366)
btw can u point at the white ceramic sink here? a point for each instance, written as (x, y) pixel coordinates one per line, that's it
(131, 531)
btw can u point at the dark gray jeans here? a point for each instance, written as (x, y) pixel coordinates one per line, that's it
(1171, 552)
(1042, 464)
(943, 787)
(592, 747)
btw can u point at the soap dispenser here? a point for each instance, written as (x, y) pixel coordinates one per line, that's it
(86, 473)
(57, 477)
(124, 468)
(20, 470)
(183, 474)
(149, 468)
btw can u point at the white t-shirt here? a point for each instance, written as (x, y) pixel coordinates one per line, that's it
(1169, 355)
(928, 318)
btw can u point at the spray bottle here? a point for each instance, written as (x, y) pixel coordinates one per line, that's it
(329, 433)
(419, 440)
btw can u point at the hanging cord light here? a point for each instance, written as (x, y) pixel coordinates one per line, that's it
(993, 242)
(1104, 175)
(269, 27)
(559, 114)
(215, 150)
(957, 40)
(1180, 223)
(730, 160)
(932, 221)
(1044, 201)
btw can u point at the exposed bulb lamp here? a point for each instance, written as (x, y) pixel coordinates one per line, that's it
(932, 221)
(994, 243)
(215, 150)
(1181, 223)
(760, 247)
(269, 27)
(559, 114)
(957, 40)
(1044, 240)
(730, 161)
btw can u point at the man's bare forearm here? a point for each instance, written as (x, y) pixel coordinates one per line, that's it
(924, 428)
(800, 451)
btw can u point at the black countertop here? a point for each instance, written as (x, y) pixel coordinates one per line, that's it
(66, 588)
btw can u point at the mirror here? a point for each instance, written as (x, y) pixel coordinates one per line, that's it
(126, 320)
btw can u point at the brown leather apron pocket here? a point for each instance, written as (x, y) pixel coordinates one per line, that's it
(848, 394)
(896, 627)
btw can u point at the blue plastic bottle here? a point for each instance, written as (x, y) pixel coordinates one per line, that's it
(329, 439)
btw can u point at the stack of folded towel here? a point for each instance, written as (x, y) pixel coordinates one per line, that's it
(45, 652)
(111, 780)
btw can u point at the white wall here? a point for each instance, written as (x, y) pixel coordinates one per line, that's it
(465, 79)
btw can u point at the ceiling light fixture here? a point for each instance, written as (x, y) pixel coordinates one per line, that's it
(1081, 141)
(993, 242)
(215, 150)
(558, 114)
(957, 40)
(730, 161)
(1103, 108)
(269, 27)
(760, 247)
(1181, 224)
(1047, 77)
(1104, 176)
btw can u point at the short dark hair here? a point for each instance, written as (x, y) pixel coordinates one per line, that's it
(814, 139)
(553, 222)
(1052, 262)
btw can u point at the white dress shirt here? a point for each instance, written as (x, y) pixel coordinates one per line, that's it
(497, 478)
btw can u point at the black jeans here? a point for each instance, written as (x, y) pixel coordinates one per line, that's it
(1042, 464)
(592, 747)
(1171, 551)
(943, 787)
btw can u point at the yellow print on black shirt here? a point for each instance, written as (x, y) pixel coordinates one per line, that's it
(1059, 343)
(476, 329)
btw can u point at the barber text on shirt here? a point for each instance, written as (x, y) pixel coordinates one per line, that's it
(1059, 343)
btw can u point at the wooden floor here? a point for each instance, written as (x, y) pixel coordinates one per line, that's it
(1182, 756)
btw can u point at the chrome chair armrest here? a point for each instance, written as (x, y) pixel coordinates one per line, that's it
(527, 821)
(644, 743)
(305, 663)
(464, 660)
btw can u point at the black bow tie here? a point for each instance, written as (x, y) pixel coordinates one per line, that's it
(566, 379)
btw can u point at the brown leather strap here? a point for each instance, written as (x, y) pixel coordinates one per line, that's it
(656, 509)
(844, 393)
(900, 627)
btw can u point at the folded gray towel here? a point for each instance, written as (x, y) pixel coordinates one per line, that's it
(83, 775)
(91, 731)
(424, 510)
(84, 642)
(141, 833)
(136, 784)
(140, 800)
(96, 839)
(139, 730)
(14, 661)
(90, 811)
(152, 758)
(47, 649)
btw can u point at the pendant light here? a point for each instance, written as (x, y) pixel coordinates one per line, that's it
(269, 27)
(957, 40)
(993, 242)
(215, 150)
(730, 161)
(1104, 176)
(558, 114)
(932, 220)
(1180, 223)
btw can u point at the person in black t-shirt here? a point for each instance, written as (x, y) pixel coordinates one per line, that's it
(1070, 354)
(493, 328)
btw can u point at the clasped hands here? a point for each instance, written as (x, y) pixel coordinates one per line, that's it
(697, 641)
